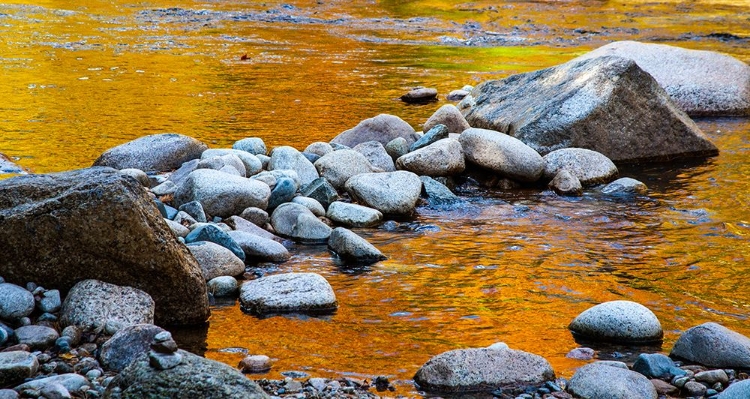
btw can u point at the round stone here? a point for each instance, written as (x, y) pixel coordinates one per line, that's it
(255, 364)
(15, 302)
(618, 321)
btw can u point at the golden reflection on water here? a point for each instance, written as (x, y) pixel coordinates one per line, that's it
(516, 267)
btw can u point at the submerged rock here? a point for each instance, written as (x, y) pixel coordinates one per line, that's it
(619, 322)
(420, 95)
(713, 345)
(382, 128)
(352, 248)
(289, 292)
(598, 380)
(153, 153)
(605, 104)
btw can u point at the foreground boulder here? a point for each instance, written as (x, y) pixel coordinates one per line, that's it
(482, 369)
(193, 377)
(382, 128)
(738, 390)
(289, 292)
(600, 380)
(713, 345)
(392, 193)
(222, 194)
(605, 104)
(91, 304)
(700, 82)
(97, 224)
(618, 322)
(154, 153)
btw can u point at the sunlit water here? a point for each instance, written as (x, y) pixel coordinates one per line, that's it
(513, 266)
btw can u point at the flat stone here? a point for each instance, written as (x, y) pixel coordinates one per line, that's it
(37, 337)
(392, 193)
(352, 248)
(127, 345)
(153, 153)
(16, 366)
(625, 186)
(382, 128)
(258, 248)
(339, 166)
(91, 304)
(502, 154)
(222, 194)
(590, 167)
(713, 345)
(15, 302)
(353, 214)
(286, 157)
(216, 260)
(420, 95)
(449, 116)
(598, 380)
(214, 234)
(441, 158)
(289, 292)
(619, 322)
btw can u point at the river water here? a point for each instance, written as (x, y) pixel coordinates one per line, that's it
(513, 266)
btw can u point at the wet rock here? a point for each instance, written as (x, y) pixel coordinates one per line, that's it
(699, 82)
(566, 183)
(442, 158)
(397, 148)
(581, 354)
(257, 216)
(138, 175)
(37, 337)
(713, 345)
(153, 153)
(212, 233)
(502, 154)
(253, 145)
(322, 191)
(482, 369)
(15, 302)
(216, 260)
(286, 157)
(618, 321)
(127, 345)
(15, 366)
(222, 194)
(223, 286)
(352, 248)
(194, 209)
(624, 186)
(392, 193)
(598, 380)
(258, 248)
(737, 390)
(456, 95)
(590, 167)
(338, 166)
(194, 377)
(353, 214)
(449, 116)
(656, 365)
(382, 128)
(438, 132)
(283, 192)
(605, 104)
(124, 239)
(420, 95)
(437, 193)
(319, 148)
(219, 162)
(8, 166)
(71, 381)
(91, 304)
(289, 292)
(313, 205)
(251, 162)
(376, 155)
(298, 223)
(255, 364)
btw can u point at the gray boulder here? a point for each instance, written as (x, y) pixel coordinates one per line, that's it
(299, 223)
(442, 158)
(289, 292)
(127, 345)
(713, 345)
(338, 166)
(382, 128)
(618, 322)
(220, 161)
(216, 260)
(700, 82)
(319, 148)
(605, 104)
(502, 154)
(322, 191)
(15, 302)
(449, 116)
(91, 304)
(153, 153)
(392, 193)
(353, 214)
(37, 337)
(222, 194)
(258, 248)
(223, 286)
(251, 162)
(253, 145)
(15, 366)
(482, 369)
(566, 183)
(376, 155)
(737, 390)
(625, 186)
(286, 157)
(122, 240)
(597, 380)
(590, 167)
(352, 248)
(437, 193)
(310, 203)
(193, 377)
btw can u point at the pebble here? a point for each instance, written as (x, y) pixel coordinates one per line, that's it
(694, 388)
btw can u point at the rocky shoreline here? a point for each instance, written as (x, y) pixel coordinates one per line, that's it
(200, 216)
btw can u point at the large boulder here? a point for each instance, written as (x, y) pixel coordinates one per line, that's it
(91, 304)
(286, 157)
(193, 377)
(600, 380)
(618, 322)
(605, 104)
(501, 154)
(700, 82)
(482, 369)
(338, 166)
(382, 128)
(392, 193)
(154, 153)
(97, 224)
(442, 158)
(738, 390)
(590, 167)
(713, 345)
(127, 345)
(289, 292)
(216, 260)
(222, 194)
(299, 223)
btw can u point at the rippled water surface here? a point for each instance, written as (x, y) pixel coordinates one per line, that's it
(78, 78)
